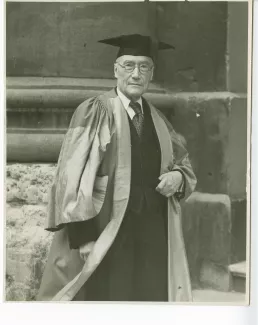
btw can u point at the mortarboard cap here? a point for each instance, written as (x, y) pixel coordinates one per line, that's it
(135, 44)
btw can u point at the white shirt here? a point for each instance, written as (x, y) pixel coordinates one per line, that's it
(126, 101)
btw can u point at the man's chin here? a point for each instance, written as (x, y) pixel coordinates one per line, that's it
(135, 93)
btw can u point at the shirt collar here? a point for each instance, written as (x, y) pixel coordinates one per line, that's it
(126, 101)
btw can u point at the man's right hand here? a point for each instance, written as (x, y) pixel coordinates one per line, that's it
(84, 250)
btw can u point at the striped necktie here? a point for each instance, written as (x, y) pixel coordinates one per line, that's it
(138, 117)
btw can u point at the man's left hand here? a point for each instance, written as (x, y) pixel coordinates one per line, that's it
(169, 183)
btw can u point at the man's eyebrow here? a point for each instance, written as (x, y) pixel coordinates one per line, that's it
(128, 61)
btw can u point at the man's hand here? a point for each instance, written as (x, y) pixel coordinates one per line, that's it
(85, 250)
(169, 183)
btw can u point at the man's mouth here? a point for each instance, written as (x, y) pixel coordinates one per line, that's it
(139, 85)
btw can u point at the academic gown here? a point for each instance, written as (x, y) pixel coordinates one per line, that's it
(135, 267)
(93, 181)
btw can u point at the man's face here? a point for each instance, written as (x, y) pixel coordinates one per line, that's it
(133, 83)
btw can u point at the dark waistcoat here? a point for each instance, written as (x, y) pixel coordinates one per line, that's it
(145, 165)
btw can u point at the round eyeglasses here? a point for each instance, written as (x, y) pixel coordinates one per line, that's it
(130, 66)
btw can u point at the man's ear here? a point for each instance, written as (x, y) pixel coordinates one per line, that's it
(152, 72)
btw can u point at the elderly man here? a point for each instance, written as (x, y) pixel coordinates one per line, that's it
(115, 200)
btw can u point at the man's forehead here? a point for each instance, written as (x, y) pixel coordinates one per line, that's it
(134, 58)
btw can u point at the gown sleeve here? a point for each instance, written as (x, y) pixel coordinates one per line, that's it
(181, 162)
(183, 165)
(82, 232)
(82, 152)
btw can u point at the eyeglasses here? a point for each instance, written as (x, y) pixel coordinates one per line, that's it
(130, 66)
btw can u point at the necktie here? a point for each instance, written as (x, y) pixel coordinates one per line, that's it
(138, 117)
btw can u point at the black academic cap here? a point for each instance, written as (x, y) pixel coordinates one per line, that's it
(135, 44)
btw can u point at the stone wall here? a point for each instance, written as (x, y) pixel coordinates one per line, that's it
(27, 243)
(64, 40)
(207, 227)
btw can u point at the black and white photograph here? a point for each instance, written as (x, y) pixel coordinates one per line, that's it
(127, 172)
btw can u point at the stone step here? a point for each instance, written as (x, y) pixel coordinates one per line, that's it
(238, 274)
(219, 297)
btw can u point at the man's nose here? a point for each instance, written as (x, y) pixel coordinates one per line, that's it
(136, 72)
